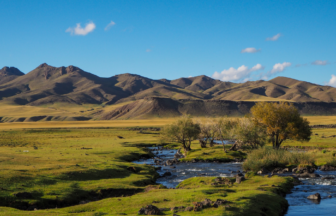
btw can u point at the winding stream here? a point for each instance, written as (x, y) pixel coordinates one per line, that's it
(299, 204)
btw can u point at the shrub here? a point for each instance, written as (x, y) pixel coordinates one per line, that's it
(270, 158)
(324, 151)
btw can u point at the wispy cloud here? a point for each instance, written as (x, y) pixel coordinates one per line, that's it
(242, 73)
(274, 38)
(79, 30)
(279, 67)
(250, 50)
(332, 81)
(148, 50)
(320, 62)
(109, 25)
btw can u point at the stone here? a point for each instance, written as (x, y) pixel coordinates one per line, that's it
(219, 202)
(239, 179)
(327, 168)
(198, 206)
(327, 178)
(262, 171)
(316, 196)
(189, 208)
(149, 210)
(329, 196)
(207, 203)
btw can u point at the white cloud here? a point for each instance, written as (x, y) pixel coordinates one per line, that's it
(240, 74)
(332, 81)
(319, 62)
(279, 67)
(109, 25)
(250, 50)
(274, 38)
(78, 30)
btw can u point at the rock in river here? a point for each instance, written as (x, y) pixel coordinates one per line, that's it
(316, 196)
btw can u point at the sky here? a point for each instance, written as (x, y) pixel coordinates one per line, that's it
(228, 40)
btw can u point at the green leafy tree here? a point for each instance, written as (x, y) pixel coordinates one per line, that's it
(282, 121)
(249, 133)
(208, 133)
(183, 131)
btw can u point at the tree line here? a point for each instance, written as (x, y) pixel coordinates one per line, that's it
(267, 122)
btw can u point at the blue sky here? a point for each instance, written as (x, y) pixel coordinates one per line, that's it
(228, 40)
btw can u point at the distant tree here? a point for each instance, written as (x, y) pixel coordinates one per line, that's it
(282, 121)
(249, 133)
(183, 131)
(225, 128)
(208, 133)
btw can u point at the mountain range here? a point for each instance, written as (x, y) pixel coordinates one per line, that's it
(47, 85)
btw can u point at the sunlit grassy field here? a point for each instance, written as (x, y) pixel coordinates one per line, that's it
(63, 163)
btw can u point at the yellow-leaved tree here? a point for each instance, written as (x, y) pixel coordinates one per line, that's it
(282, 121)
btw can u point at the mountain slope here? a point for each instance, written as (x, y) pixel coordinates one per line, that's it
(47, 85)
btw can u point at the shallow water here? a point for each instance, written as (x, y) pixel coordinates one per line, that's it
(188, 170)
(299, 204)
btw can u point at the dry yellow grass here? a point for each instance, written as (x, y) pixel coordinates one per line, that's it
(157, 122)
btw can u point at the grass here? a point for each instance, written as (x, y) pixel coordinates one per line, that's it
(61, 167)
(48, 163)
(68, 162)
(321, 138)
(269, 158)
(254, 196)
(215, 153)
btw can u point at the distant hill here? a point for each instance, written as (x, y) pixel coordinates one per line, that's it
(47, 85)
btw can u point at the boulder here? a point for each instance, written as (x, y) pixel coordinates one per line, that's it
(327, 178)
(198, 206)
(207, 203)
(316, 196)
(219, 202)
(189, 208)
(149, 210)
(169, 162)
(327, 168)
(262, 171)
(239, 179)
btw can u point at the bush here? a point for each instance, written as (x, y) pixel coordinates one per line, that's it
(324, 151)
(270, 158)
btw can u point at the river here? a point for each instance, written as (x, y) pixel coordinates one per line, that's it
(299, 204)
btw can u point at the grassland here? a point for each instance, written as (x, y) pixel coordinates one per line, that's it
(69, 162)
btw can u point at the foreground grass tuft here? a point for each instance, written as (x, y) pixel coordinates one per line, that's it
(269, 158)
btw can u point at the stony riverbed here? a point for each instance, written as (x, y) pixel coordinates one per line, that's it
(174, 173)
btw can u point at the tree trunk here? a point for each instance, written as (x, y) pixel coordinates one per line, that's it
(211, 143)
(202, 143)
(223, 145)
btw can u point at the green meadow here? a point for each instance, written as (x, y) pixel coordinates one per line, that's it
(62, 167)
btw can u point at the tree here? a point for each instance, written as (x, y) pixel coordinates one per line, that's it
(282, 121)
(208, 133)
(183, 131)
(249, 133)
(225, 128)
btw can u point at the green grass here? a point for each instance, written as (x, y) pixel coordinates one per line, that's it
(48, 163)
(213, 153)
(321, 138)
(61, 167)
(255, 196)
(270, 158)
